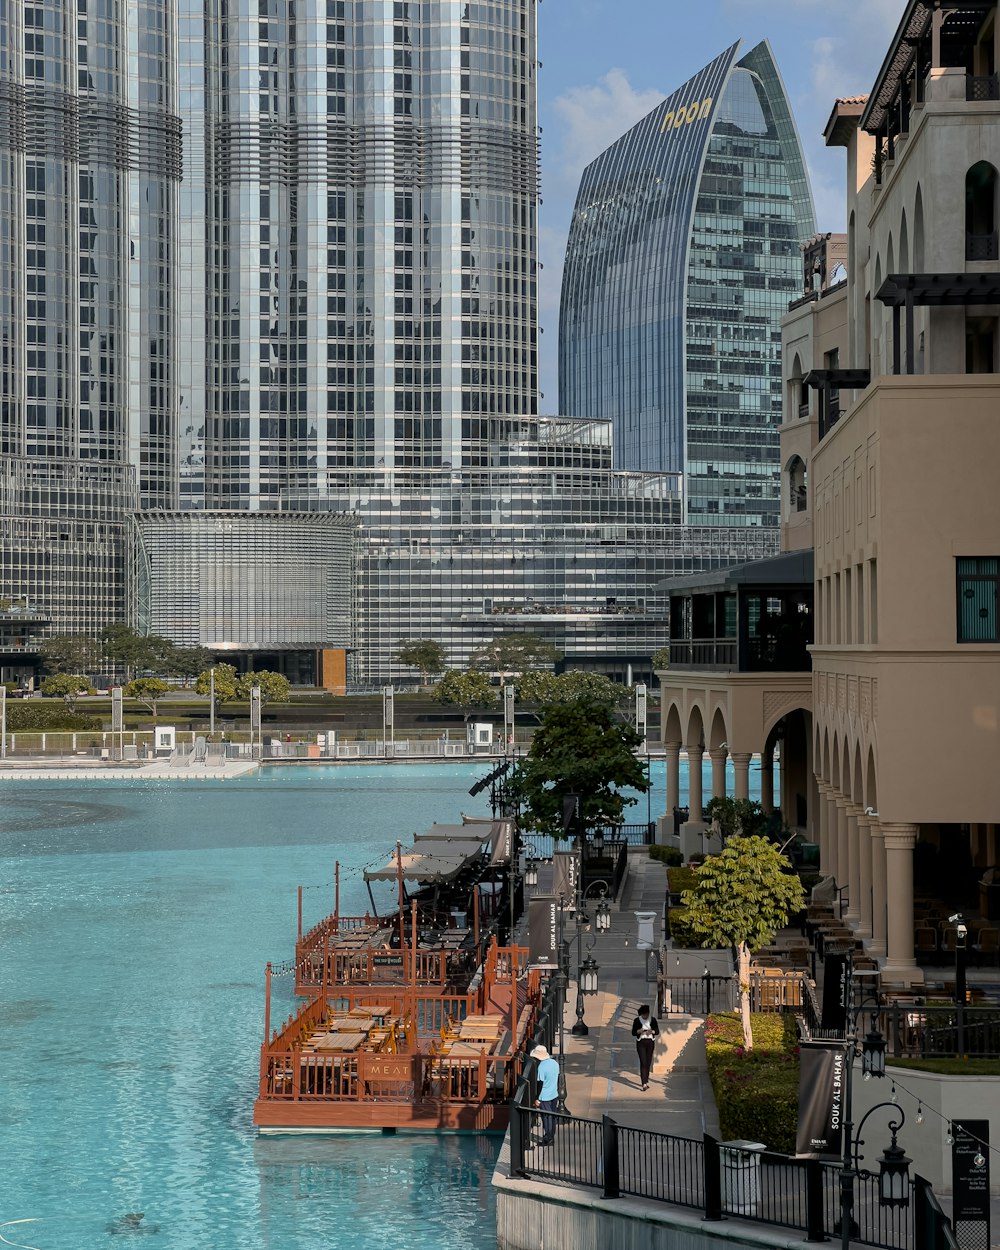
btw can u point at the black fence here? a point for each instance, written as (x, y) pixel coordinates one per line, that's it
(920, 1030)
(720, 1180)
(542, 845)
(700, 996)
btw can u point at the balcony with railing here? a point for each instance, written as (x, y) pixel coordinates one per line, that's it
(750, 618)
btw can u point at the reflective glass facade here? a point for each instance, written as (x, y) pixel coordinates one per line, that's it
(225, 580)
(683, 255)
(357, 238)
(542, 538)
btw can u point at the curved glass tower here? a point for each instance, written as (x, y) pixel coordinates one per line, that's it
(683, 255)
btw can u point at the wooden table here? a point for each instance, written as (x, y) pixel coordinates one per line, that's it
(339, 1042)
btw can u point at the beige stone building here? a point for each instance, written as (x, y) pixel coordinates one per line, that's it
(890, 748)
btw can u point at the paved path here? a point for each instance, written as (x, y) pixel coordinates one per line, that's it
(80, 768)
(602, 1071)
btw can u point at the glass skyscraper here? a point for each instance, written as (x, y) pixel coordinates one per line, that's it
(683, 255)
(250, 244)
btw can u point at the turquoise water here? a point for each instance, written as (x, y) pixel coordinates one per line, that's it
(135, 920)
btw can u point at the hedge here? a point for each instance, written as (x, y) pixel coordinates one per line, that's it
(757, 1093)
(27, 715)
(669, 855)
(680, 879)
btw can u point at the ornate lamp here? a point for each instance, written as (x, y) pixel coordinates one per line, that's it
(530, 872)
(873, 1054)
(588, 980)
(894, 1175)
(602, 921)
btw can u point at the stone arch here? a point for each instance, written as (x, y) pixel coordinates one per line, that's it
(835, 775)
(871, 781)
(672, 731)
(796, 476)
(845, 768)
(719, 736)
(890, 258)
(798, 392)
(904, 245)
(825, 757)
(695, 727)
(981, 211)
(918, 231)
(858, 782)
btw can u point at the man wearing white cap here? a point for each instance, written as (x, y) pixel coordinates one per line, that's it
(548, 1092)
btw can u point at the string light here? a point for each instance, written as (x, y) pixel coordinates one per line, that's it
(920, 1112)
(894, 1097)
(949, 1136)
(984, 1147)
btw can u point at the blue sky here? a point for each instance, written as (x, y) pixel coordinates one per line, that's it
(606, 63)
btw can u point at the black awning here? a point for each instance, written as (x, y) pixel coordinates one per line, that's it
(940, 288)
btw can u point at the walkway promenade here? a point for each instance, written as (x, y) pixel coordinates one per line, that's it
(69, 768)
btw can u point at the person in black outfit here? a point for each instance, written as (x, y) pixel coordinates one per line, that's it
(645, 1030)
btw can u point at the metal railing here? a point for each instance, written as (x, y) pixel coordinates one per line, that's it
(543, 845)
(981, 246)
(718, 1179)
(700, 996)
(924, 1030)
(982, 87)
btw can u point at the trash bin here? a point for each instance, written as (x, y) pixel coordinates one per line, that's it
(740, 1175)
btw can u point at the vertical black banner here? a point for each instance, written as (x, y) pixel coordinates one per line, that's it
(970, 1172)
(543, 931)
(822, 1090)
(836, 971)
(564, 875)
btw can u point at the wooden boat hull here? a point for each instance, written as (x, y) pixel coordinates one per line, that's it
(429, 1115)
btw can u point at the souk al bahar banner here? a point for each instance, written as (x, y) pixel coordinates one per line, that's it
(822, 1093)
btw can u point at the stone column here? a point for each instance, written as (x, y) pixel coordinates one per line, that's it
(823, 833)
(673, 754)
(741, 765)
(843, 854)
(719, 757)
(692, 830)
(877, 945)
(767, 781)
(853, 912)
(900, 964)
(864, 876)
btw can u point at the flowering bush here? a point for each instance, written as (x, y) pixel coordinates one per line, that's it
(756, 1091)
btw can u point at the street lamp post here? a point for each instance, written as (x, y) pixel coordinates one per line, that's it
(562, 982)
(893, 1165)
(587, 969)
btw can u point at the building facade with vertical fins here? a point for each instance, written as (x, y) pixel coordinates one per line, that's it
(683, 254)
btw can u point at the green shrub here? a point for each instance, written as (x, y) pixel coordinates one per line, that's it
(679, 929)
(757, 1094)
(28, 715)
(669, 855)
(680, 879)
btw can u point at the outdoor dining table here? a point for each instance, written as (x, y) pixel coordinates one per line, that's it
(342, 1042)
(486, 1029)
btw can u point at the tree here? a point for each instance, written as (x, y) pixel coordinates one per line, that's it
(744, 895)
(187, 662)
(422, 653)
(274, 688)
(469, 690)
(548, 689)
(68, 653)
(582, 749)
(225, 684)
(513, 653)
(148, 691)
(738, 816)
(136, 652)
(66, 686)
(661, 659)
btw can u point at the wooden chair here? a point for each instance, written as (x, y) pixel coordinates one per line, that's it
(987, 946)
(926, 942)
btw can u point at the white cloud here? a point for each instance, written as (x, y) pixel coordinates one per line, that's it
(591, 117)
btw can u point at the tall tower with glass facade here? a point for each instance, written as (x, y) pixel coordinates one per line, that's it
(683, 255)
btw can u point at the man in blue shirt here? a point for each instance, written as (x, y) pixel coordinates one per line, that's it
(548, 1092)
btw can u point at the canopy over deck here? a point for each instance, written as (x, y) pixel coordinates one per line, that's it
(430, 860)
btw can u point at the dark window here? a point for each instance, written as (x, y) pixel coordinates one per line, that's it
(977, 598)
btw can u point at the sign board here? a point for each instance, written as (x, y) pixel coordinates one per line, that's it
(117, 711)
(255, 710)
(387, 961)
(640, 711)
(564, 874)
(378, 1067)
(836, 989)
(970, 1170)
(822, 1090)
(543, 931)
